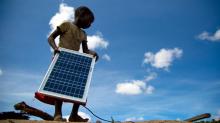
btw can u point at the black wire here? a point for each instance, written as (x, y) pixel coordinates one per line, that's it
(98, 116)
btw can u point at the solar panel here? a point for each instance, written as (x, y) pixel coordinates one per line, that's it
(69, 76)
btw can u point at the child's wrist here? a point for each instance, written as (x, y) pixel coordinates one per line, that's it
(56, 49)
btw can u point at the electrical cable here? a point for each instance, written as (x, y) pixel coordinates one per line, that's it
(98, 116)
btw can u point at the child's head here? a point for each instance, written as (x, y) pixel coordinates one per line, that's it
(84, 17)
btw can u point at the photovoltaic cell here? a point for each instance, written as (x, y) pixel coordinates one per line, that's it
(69, 76)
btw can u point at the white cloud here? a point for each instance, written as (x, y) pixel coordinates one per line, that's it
(149, 89)
(97, 41)
(207, 36)
(130, 88)
(217, 117)
(82, 114)
(151, 76)
(134, 87)
(106, 57)
(178, 119)
(1, 72)
(66, 13)
(163, 58)
(134, 119)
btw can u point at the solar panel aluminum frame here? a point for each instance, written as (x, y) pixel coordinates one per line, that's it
(62, 96)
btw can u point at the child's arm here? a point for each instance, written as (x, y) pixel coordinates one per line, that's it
(86, 50)
(51, 40)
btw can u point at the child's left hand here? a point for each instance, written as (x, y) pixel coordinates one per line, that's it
(96, 56)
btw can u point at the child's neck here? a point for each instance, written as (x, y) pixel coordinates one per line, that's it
(77, 24)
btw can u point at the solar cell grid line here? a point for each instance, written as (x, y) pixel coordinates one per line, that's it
(68, 76)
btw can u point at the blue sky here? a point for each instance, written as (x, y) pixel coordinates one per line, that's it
(163, 56)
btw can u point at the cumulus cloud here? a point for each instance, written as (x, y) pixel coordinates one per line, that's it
(163, 58)
(66, 13)
(136, 87)
(106, 57)
(134, 119)
(1, 72)
(178, 119)
(151, 76)
(131, 88)
(82, 114)
(149, 89)
(210, 37)
(97, 41)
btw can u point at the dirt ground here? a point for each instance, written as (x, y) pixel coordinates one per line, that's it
(34, 121)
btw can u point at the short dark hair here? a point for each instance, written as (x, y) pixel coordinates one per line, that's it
(83, 11)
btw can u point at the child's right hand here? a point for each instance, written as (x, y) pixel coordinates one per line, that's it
(56, 51)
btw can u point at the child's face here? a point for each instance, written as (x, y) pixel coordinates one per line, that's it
(85, 22)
